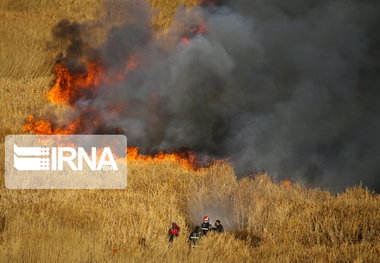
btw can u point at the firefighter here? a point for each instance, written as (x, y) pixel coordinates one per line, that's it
(195, 236)
(218, 227)
(206, 225)
(173, 232)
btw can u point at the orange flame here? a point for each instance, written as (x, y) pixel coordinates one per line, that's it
(42, 127)
(187, 159)
(287, 183)
(71, 86)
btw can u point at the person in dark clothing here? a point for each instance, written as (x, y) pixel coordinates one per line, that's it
(195, 236)
(173, 232)
(206, 226)
(218, 227)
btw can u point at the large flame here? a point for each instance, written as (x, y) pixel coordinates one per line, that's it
(70, 87)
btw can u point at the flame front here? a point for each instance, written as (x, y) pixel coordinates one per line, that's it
(187, 160)
(43, 127)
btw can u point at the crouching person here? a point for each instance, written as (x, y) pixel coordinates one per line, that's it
(173, 232)
(218, 227)
(194, 237)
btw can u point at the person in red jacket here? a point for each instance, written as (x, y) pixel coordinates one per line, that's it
(173, 232)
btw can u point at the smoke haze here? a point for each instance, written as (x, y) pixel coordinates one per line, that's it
(290, 88)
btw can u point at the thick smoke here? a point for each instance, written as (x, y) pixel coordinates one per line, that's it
(291, 88)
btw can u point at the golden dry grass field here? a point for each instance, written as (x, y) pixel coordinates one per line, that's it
(266, 222)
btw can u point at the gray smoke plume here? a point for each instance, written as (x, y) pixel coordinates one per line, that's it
(290, 87)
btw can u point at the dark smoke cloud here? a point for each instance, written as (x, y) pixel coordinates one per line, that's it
(291, 88)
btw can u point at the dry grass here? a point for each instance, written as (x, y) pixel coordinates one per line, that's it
(266, 222)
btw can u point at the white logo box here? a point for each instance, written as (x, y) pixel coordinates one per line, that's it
(65, 161)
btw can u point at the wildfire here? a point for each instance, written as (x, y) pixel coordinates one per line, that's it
(69, 87)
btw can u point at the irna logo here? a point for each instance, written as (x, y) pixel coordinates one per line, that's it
(54, 158)
(65, 161)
